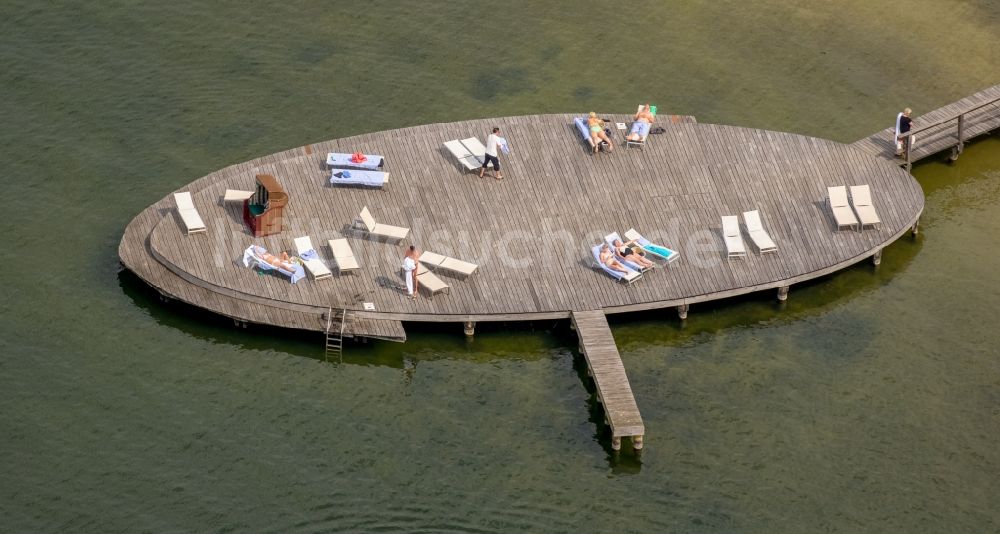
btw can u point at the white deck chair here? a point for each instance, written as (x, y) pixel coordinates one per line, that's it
(842, 214)
(464, 156)
(397, 233)
(447, 263)
(861, 198)
(315, 266)
(343, 255)
(185, 207)
(732, 237)
(755, 229)
(429, 282)
(235, 195)
(477, 148)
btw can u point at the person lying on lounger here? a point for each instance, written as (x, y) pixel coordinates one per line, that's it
(608, 258)
(597, 132)
(284, 261)
(632, 252)
(640, 128)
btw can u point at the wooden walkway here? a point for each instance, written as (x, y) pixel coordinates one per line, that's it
(604, 364)
(938, 130)
(531, 233)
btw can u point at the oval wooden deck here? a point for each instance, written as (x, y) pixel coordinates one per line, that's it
(530, 233)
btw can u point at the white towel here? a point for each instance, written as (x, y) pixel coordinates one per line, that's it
(408, 267)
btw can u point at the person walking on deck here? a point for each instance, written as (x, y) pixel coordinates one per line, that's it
(410, 260)
(903, 122)
(493, 142)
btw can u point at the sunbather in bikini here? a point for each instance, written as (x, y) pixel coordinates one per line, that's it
(631, 252)
(284, 261)
(607, 258)
(597, 132)
(640, 128)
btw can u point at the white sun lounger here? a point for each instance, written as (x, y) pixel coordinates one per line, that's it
(837, 199)
(358, 177)
(627, 277)
(861, 198)
(185, 207)
(759, 236)
(667, 254)
(610, 240)
(437, 261)
(465, 155)
(732, 237)
(477, 148)
(310, 258)
(236, 195)
(381, 230)
(429, 282)
(343, 255)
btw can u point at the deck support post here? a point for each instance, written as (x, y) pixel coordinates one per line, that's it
(915, 229)
(907, 143)
(877, 257)
(470, 328)
(783, 293)
(637, 442)
(616, 443)
(682, 311)
(164, 298)
(957, 149)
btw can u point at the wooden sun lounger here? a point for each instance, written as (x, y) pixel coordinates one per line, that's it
(343, 255)
(861, 198)
(236, 195)
(438, 261)
(429, 282)
(759, 236)
(189, 215)
(465, 155)
(731, 234)
(387, 231)
(843, 215)
(315, 266)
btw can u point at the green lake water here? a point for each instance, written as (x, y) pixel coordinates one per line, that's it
(870, 402)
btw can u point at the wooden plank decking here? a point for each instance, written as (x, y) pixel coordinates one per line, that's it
(530, 233)
(983, 118)
(605, 364)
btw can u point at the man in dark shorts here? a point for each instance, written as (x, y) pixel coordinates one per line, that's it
(903, 122)
(492, 144)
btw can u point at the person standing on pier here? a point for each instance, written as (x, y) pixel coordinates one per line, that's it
(493, 142)
(903, 122)
(410, 260)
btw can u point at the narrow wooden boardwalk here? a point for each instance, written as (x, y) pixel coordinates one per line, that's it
(605, 365)
(982, 115)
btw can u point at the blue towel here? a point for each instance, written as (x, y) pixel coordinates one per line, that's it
(308, 255)
(356, 177)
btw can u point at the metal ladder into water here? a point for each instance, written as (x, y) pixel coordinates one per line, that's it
(336, 324)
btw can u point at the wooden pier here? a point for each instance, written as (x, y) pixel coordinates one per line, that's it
(604, 364)
(948, 127)
(531, 233)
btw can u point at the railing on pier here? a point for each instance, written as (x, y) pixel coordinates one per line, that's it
(941, 134)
